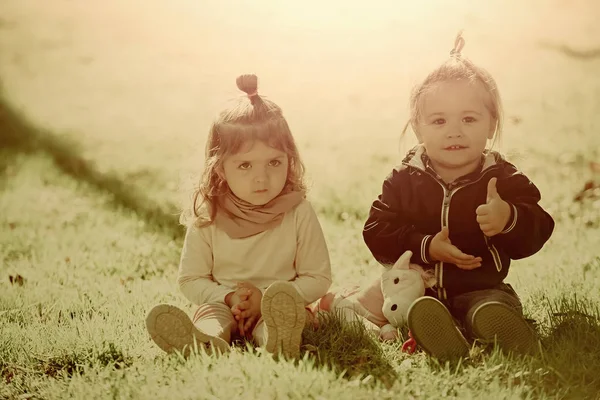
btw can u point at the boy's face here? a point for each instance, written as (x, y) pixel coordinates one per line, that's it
(257, 173)
(454, 127)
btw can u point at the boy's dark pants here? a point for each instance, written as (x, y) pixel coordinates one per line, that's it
(463, 306)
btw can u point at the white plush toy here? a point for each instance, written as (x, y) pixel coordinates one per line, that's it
(386, 301)
(401, 285)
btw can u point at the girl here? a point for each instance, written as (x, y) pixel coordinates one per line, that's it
(254, 253)
(464, 212)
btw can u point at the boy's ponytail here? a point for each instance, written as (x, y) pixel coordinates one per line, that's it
(459, 43)
(456, 68)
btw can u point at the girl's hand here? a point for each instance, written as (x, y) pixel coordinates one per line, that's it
(232, 299)
(248, 311)
(235, 300)
(441, 249)
(493, 216)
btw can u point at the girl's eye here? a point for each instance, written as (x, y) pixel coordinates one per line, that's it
(439, 121)
(245, 165)
(469, 119)
(275, 163)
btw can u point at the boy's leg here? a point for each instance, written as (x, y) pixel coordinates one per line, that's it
(496, 315)
(172, 329)
(433, 328)
(284, 317)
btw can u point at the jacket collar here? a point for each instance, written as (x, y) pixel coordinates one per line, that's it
(417, 158)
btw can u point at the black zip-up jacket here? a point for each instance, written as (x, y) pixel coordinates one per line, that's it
(415, 204)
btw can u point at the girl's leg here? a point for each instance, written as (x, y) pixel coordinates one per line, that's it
(259, 333)
(283, 318)
(216, 320)
(172, 329)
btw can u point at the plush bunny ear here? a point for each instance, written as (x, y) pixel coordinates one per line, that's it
(404, 260)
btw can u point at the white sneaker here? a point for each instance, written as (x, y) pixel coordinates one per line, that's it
(172, 329)
(284, 313)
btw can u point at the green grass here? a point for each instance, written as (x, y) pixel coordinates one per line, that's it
(90, 165)
(94, 263)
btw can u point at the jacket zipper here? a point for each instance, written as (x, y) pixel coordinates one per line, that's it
(439, 268)
(495, 254)
(444, 223)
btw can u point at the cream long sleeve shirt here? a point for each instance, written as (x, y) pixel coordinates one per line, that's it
(212, 263)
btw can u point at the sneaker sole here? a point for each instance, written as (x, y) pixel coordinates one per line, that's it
(433, 328)
(495, 321)
(172, 330)
(284, 315)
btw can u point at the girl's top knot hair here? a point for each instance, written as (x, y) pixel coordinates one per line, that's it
(459, 43)
(249, 84)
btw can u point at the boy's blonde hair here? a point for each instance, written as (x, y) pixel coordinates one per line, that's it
(253, 117)
(457, 68)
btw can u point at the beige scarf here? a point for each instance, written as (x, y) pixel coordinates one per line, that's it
(240, 219)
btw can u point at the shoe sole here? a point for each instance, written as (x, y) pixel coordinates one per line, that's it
(284, 314)
(433, 328)
(172, 330)
(495, 321)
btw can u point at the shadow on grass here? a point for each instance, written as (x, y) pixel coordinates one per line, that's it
(572, 347)
(19, 136)
(344, 347)
(347, 347)
(567, 367)
(67, 364)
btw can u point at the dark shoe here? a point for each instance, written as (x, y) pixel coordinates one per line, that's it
(172, 330)
(284, 314)
(433, 328)
(495, 321)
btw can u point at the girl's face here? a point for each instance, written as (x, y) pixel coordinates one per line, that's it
(257, 173)
(454, 127)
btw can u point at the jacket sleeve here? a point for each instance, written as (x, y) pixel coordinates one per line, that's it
(388, 233)
(195, 269)
(529, 226)
(312, 263)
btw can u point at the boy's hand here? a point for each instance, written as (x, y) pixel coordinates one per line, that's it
(493, 216)
(441, 249)
(247, 311)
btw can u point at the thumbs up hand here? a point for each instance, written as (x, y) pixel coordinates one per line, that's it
(493, 216)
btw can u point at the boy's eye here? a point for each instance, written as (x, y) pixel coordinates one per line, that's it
(274, 163)
(469, 119)
(439, 121)
(244, 165)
